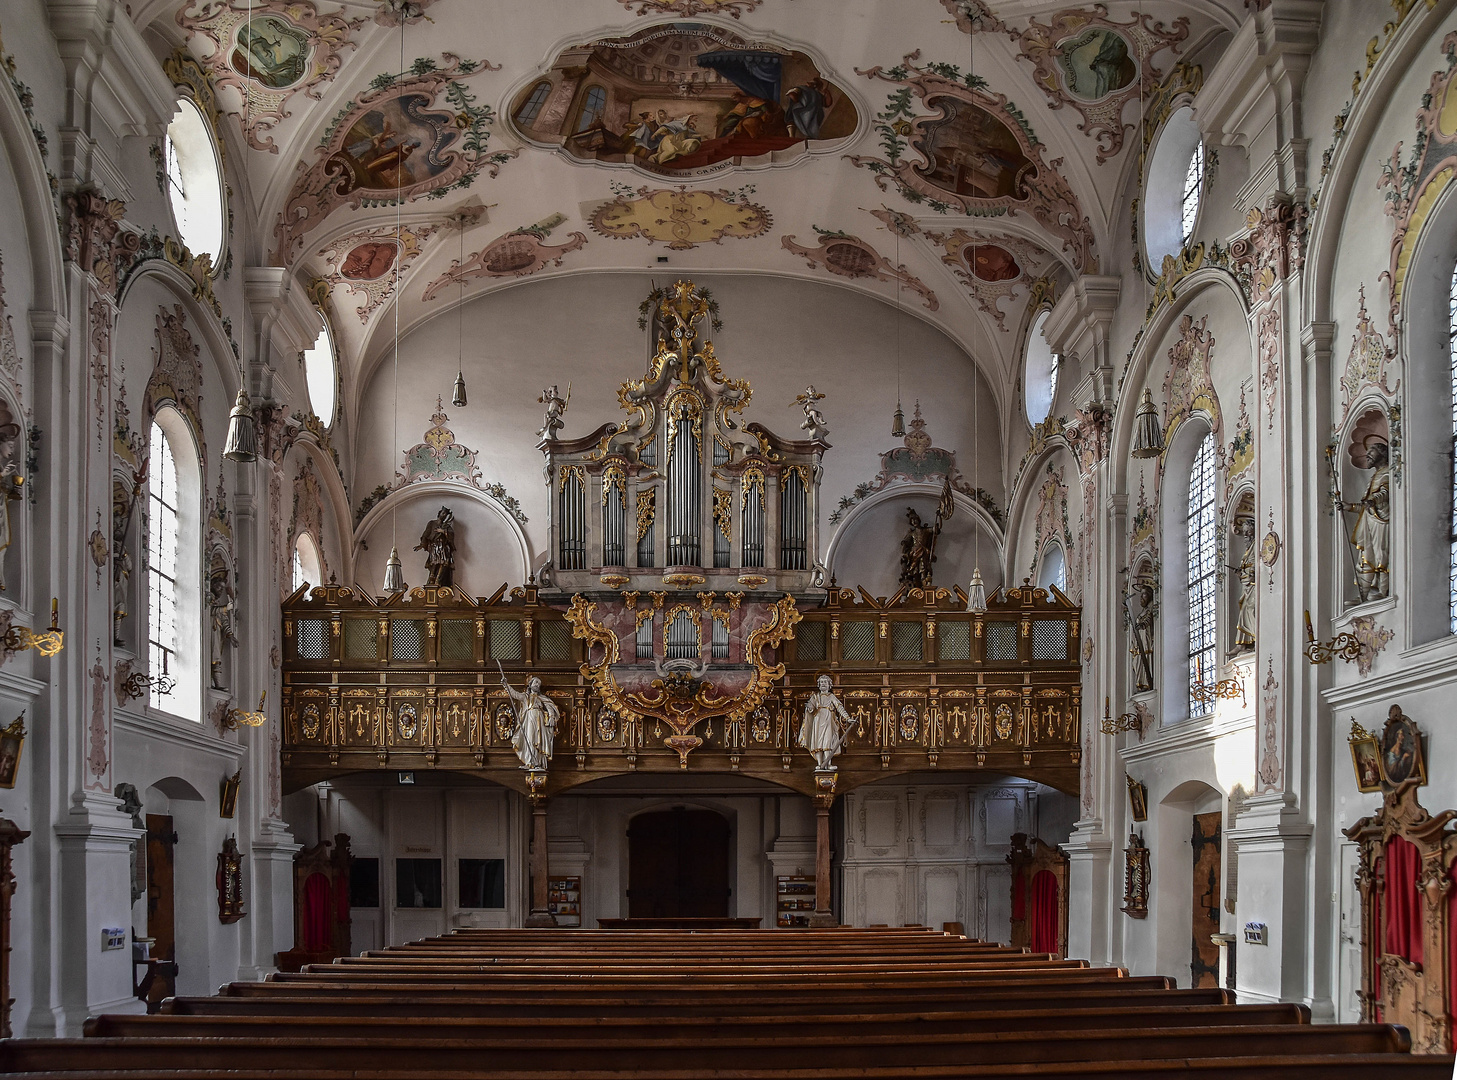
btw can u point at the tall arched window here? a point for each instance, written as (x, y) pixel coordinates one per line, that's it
(1193, 188)
(195, 183)
(593, 109)
(162, 551)
(1452, 536)
(1202, 573)
(531, 108)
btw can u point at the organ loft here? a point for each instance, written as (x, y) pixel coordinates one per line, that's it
(723, 538)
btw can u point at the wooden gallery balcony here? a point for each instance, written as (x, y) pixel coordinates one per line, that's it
(411, 683)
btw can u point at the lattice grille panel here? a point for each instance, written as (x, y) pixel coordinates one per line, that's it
(505, 639)
(857, 642)
(1001, 640)
(312, 639)
(906, 640)
(407, 640)
(554, 640)
(810, 639)
(1049, 641)
(457, 639)
(953, 640)
(360, 639)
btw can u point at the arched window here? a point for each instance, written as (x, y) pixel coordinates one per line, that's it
(592, 110)
(1173, 188)
(175, 624)
(1202, 573)
(307, 565)
(1052, 567)
(195, 182)
(321, 374)
(162, 552)
(1452, 535)
(531, 108)
(1039, 372)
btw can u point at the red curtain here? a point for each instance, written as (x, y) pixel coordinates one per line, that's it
(317, 922)
(1019, 895)
(1403, 903)
(1044, 912)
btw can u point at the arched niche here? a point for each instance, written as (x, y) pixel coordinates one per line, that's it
(490, 546)
(866, 548)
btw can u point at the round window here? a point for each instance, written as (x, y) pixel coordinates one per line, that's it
(320, 373)
(1039, 375)
(195, 182)
(1173, 188)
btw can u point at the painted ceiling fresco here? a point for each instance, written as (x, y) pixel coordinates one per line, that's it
(750, 135)
(679, 99)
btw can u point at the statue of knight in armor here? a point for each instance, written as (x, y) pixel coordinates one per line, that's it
(438, 544)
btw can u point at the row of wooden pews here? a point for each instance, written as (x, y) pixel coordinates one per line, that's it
(673, 1005)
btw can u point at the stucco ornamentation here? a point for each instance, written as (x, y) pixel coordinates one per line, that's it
(518, 253)
(680, 218)
(849, 256)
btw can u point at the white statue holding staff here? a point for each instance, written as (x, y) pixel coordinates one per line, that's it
(822, 732)
(536, 723)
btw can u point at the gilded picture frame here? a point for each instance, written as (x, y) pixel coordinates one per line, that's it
(228, 802)
(1137, 798)
(1365, 759)
(12, 742)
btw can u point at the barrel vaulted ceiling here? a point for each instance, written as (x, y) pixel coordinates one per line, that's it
(843, 140)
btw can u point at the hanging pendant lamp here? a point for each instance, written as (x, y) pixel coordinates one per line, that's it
(898, 422)
(457, 395)
(976, 595)
(1148, 434)
(242, 441)
(394, 573)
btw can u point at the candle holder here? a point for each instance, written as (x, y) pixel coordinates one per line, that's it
(1207, 693)
(237, 718)
(1344, 646)
(1111, 725)
(47, 643)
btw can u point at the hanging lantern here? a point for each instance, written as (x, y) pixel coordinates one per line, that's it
(457, 396)
(242, 440)
(1148, 434)
(394, 573)
(898, 422)
(976, 595)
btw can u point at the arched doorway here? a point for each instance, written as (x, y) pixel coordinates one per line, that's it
(678, 865)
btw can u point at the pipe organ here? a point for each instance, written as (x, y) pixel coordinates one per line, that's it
(711, 502)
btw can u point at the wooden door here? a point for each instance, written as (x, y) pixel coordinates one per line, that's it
(678, 864)
(1208, 899)
(161, 920)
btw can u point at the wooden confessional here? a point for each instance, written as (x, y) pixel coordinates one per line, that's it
(320, 904)
(1039, 895)
(1406, 873)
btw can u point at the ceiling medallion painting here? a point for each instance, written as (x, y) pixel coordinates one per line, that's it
(686, 100)
(680, 218)
(975, 154)
(1097, 66)
(364, 262)
(519, 253)
(685, 8)
(266, 51)
(991, 267)
(849, 256)
(422, 135)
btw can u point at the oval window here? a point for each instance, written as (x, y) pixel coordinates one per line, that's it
(1173, 188)
(1039, 375)
(195, 182)
(321, 375)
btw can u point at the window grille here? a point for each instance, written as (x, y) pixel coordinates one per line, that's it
(906, 639)
(953, 640)
(407, 641)
(1049, 640)
(1202, 574)
(1193, 184)
(457, 640)
(505, 639)
(311, 639)
(161, 561)
(554, 641)
(809, 640)
(857, 641)
(361, 639)
(1001, 640)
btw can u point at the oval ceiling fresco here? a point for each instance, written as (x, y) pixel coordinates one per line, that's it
(684, 98)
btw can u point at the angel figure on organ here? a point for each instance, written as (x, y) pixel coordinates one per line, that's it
(822, 732)
(536, 723)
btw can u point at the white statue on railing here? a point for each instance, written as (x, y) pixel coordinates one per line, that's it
(536, 723)
(822, 732)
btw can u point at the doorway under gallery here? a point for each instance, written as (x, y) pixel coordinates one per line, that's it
(678, 864)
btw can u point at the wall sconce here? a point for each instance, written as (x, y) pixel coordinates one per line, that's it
(139, 682)
(48, 643)
(237, 718)
(1206, 693)
(1128, 721)
(1343, 645)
